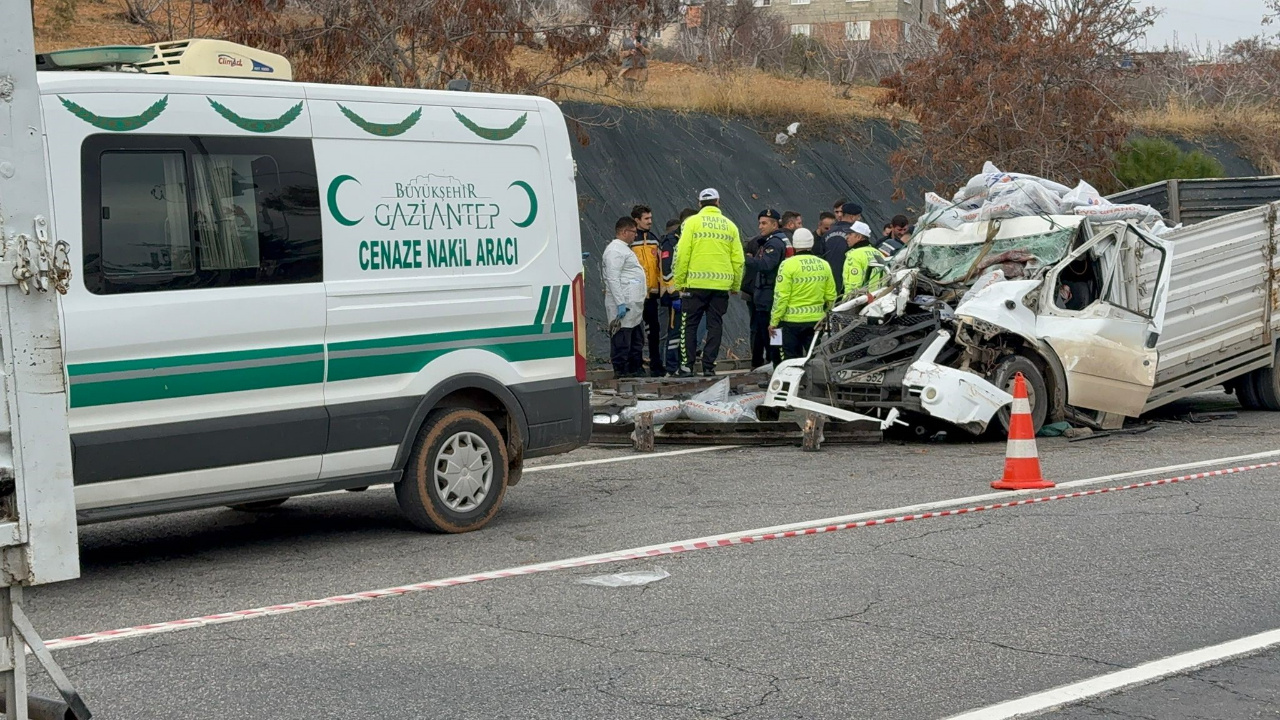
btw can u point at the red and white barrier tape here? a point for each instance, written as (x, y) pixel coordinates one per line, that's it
(619, 556)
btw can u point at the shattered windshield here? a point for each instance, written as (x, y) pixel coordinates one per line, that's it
(951, 263)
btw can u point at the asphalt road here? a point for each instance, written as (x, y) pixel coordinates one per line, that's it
(917, 620)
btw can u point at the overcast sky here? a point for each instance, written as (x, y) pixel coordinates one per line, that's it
(1207, 21)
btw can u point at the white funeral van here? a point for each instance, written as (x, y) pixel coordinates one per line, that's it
(282, 288)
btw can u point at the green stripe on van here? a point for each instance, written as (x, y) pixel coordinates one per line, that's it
(177, 361)
(564, 300)
(110, 392)
(542, 304)
(125, 381)
(409, 354)
(413, 360)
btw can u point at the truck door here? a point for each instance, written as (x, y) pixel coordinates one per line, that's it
(1102, 327)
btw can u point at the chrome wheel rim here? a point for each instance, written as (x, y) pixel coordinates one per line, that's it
(463, 472)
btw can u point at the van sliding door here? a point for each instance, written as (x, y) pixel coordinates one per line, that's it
(196, 359)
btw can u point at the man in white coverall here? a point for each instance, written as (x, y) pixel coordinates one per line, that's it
(625, 289)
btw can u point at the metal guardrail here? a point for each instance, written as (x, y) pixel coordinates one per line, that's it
(1193, 201)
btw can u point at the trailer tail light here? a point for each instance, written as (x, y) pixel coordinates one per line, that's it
(579, 329)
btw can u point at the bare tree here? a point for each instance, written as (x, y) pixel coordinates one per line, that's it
(730, 35)
(427, 43)
(170, 19)
(1030, 86)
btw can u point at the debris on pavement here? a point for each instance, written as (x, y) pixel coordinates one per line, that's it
(664, 411)
(1200, 418)
(1077, 433)
(1054, 429)
(626, 579)
(1140, 430)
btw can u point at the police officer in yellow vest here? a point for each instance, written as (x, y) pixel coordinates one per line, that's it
(862, 272)
(708, 266)
(802, 296)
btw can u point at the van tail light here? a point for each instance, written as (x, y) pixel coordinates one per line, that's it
(579, 329)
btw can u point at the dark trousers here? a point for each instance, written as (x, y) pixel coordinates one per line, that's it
(626, 350)
(753, 335)
(796, 338)
(712, 304)
(675, 331)
(653, 326)
(761, 350)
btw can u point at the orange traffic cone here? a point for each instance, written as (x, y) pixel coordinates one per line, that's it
(1021, 462)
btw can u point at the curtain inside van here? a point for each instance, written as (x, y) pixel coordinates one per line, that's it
(226, 213)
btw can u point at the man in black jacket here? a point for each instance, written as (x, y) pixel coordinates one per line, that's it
(768, 251)
(836, 243)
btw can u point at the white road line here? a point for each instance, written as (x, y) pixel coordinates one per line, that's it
(1111, 682)
(576, 463)
(810, 527)
(901, 510)
(625, 458)
(976, 499)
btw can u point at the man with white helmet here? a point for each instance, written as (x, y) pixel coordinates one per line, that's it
(862, 262)
(804, 292)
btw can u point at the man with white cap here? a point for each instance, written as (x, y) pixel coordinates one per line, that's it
(862, 262)
(802, 296)
(708, 266)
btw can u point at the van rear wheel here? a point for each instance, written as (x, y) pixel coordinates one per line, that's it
(457, 473)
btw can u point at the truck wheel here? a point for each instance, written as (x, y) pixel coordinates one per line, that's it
(1266, 387)
(1037, 393)
(1247, 393)
(457, 473)
(259, 505)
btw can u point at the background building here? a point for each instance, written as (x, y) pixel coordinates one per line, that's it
(885, 24)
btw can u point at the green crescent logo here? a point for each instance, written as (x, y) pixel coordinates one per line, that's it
(117, 124)
(533, 203)
(257, 125)
(494, 134)
(333, 201)
(379, 129)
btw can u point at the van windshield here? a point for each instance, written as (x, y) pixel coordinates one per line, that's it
(951, 263)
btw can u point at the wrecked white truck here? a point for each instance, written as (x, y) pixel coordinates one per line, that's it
(1105, 320)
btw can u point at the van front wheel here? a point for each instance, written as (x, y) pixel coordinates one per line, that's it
(457, 474)
(1003, 376)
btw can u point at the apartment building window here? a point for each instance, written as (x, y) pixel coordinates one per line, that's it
(804, 29)
(906, 31)
(857, 30)
(799, 2)
(857, 1)
(762, 3)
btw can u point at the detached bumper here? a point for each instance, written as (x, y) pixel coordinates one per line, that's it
(958, 397)
(954, 396)
(784, 393)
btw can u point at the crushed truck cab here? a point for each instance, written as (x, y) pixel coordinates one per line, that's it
(1073, 304)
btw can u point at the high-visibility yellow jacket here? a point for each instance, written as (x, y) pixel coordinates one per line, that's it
(859, 275)
(645, 246)
(709, 255)
(804, 292)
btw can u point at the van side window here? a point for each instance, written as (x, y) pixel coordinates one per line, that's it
(177, 212)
